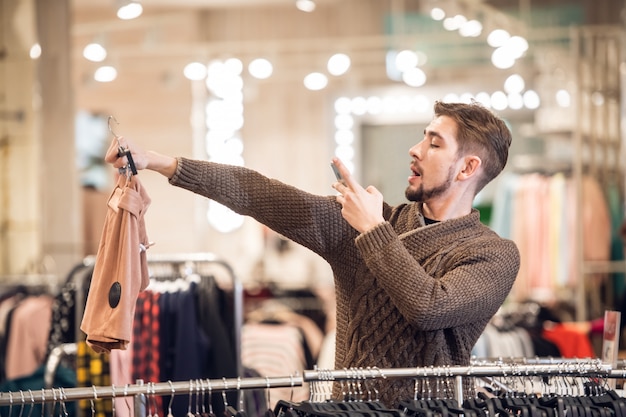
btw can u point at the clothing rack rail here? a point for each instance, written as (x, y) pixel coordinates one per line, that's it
(591, 368)
(148, 389)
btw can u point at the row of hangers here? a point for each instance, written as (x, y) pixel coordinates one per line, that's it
(500, 380)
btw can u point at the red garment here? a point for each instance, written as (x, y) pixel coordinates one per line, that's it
(120, 271)
(572, 342)
(146, 342)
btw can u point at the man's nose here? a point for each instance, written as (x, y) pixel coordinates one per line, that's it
(416, 150)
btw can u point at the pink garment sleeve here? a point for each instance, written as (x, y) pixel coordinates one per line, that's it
(28, 336)
(120, 271)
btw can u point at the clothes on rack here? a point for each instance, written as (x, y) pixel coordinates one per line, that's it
(539, 212)
(68, 305)
(570, 339)
(275, 349)
(305, 301)
(528, 330)
(510, 342)
(121, 269)
(33, 383)
(590, 399)
(28, 339)
(276, 340)
(92, 369)
(169, 340)
(25, 316)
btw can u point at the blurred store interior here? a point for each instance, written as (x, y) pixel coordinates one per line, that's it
(281, 86)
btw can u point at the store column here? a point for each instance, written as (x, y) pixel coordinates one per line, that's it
(62, 220)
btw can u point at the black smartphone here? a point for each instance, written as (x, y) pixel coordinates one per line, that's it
(337, 173)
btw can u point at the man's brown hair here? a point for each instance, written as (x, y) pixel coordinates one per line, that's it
(481, 132)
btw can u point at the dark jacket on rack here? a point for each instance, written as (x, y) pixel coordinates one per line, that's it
(399, 303)
(121, 269)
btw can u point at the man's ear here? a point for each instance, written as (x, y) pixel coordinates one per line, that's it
(471, 165)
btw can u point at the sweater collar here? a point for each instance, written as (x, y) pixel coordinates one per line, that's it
(456, 229)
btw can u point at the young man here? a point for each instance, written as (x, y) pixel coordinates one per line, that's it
(416, 284)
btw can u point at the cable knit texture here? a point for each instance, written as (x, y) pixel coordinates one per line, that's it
(408, 295)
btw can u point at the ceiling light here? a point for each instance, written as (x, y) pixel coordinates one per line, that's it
(35, 51)
(338, 64)
(471, 29)
(437, 13)
(129, 10)
(105, 74)
(95, 52)
(499, 100)
(515, 101)
(315, 81)
(563, 98)
(454, 23)
(498, 37)
(305, 5)
(195, 71)
(406, 60)
(502, 58)
(514, 84)
(260, 68)
(414, 77)
(531, 99)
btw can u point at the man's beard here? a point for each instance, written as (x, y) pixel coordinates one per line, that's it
(422, 195)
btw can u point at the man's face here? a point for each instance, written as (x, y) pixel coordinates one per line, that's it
(433, 161)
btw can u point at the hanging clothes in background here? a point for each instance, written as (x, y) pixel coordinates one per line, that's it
(33, 320)
(528, 330)
(146, 343)
(539, 213)
(277, 341)
(183, 330)
(25, 316)
(64, 377)
(68, 305)
(28, 336)
(92, 369)
(170, 340)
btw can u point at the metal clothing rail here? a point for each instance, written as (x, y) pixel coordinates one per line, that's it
(205, 386)
(591, 368)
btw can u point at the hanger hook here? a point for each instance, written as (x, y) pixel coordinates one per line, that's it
(210, 395)
(91, 400)
(113, 413)
(62, 405)
(169, 406)
(126, 398)
(112, 118)
(23, 403)
(32, 403)
(189, 413)
(224, 393)
(201, 398)
(10, 402)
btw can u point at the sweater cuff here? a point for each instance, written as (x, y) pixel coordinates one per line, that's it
(184, 176)
(376, 238)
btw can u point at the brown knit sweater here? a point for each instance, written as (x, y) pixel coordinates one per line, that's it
(408, 295)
